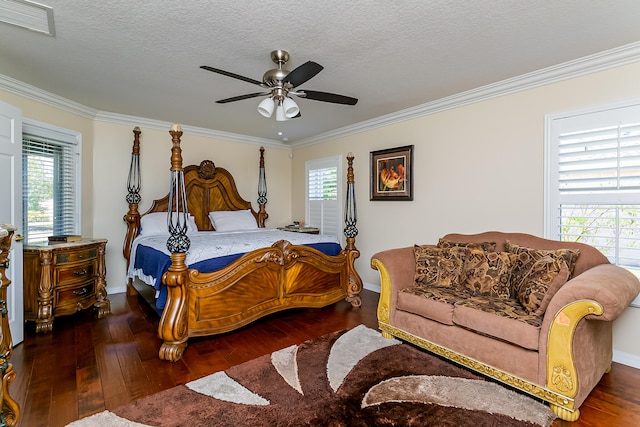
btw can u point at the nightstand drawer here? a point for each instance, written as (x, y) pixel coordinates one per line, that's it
(79, 272)
(72, 295)
(78, 255)
(63, 278)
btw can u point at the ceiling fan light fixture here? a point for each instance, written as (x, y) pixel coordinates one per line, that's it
(291, 109)
(266, 107)
(280, 115)
(278, 84)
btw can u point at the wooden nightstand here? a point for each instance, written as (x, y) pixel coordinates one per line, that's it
(63, 278)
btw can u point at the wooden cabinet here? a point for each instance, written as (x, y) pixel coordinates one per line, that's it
(63, 278)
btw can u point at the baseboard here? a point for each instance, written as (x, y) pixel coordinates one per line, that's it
(628, 359)
(116, 290)
(371, 287)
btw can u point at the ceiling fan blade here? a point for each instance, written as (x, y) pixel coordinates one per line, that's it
(327, 97)
(241, 97)
(233, 75)
(303, 73)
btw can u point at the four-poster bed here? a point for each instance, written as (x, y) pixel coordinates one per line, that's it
(204, 298)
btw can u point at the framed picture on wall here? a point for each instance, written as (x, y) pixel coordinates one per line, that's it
(392, 174)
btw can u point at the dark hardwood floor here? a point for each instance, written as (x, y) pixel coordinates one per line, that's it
(86, 365)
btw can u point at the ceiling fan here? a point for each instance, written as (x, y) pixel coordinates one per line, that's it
(280, 84)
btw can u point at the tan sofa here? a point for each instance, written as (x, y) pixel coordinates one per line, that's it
(558, 356)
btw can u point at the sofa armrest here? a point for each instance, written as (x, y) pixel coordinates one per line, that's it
(611, 286)
(397, 271)
(401, 265)
(600, 293)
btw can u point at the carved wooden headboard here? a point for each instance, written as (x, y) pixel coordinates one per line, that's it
(209, 188)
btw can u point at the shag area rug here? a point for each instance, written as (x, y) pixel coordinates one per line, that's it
(348, 378)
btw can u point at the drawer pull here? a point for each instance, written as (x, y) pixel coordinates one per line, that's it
(81, 292)
(80, 256)
(81, 272)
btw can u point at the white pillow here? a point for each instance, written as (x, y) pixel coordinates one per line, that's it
(233, 220)
(156, 223)
(191, 225)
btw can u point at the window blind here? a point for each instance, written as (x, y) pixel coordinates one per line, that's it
(600, 160)
(594, 181)
(323, 207)
(49, 193)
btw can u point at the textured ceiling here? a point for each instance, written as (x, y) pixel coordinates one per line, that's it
(142, 58)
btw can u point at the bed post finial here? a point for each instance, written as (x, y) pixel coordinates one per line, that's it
(178, 211)
(132, 217)
(350, 210)
(133, 182)
(262, 192)
(176, 151)
(350, 231)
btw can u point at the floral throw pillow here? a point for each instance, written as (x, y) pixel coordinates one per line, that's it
(438, 266)
(485, 246)
(540, 284)
(487, 273)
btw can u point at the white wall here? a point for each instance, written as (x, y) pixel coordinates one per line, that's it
(478, 167)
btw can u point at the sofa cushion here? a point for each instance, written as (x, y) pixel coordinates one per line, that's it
(487, 273)
(438, 266)
(430, 302)
(540, 283)
(501, 318)
(528, 256)
(485, 246)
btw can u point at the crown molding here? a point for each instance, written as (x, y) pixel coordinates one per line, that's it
(31, 92)
(36, 94)
(612, 58)
(124, 119)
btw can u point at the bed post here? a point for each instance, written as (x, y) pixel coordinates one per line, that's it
(350, 231)
(9, 408)
(132, 218)
(173, 328)
(262, 192)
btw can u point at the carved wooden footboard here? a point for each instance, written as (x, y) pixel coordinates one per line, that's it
(260, 282)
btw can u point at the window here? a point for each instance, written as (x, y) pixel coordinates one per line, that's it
(50, 181)
(324, 193)
(593, 181)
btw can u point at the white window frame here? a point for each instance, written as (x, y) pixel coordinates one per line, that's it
(326, 162)
(74, 138)
(555, 124)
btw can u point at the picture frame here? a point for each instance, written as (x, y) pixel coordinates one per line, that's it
(391, 174)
